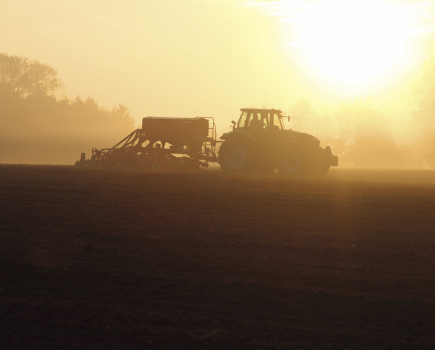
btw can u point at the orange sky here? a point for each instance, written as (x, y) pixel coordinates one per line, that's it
(187, 58)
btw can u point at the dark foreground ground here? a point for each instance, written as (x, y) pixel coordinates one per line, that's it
(102, 260)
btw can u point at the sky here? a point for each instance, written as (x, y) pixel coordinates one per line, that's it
(187, 58)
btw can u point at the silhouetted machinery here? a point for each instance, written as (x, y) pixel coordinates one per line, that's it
(161, 144)
(258, 143)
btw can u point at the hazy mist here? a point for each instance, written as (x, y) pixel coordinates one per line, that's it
(128, 60)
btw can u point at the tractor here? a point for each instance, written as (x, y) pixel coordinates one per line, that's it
(259, 143)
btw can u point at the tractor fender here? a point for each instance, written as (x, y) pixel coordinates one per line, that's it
(239, 133)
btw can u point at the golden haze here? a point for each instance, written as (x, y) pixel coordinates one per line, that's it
(209, 58)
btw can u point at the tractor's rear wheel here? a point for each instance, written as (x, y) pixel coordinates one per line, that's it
(235, 156)
(291, 164)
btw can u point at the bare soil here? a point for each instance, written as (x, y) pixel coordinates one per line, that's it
(94, 259)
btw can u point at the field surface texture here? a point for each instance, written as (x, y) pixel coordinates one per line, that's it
(93, 259)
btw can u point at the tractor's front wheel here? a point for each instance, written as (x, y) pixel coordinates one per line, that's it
(291, 164)
(235, 156)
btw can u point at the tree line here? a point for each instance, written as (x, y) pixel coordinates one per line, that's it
(38, 126)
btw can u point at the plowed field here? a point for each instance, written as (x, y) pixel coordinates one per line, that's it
(93, 259)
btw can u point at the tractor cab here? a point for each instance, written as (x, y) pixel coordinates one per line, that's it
(259, 120)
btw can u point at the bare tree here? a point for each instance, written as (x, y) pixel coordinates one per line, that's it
(423, 90)
(424, 94)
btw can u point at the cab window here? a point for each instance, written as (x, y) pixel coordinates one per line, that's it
(264, 117)
(259, 121)
(254, 117)
(277, 121)
(243, 121)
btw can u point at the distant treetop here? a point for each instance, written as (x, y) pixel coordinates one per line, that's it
(424, 93)
(26, 77)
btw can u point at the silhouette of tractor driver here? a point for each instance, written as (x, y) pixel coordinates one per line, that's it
(256, 125)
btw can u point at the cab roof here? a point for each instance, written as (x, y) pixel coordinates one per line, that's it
(260, 110)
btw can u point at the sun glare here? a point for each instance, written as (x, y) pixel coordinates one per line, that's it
(352, 41)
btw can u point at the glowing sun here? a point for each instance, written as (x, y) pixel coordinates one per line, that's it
(352, 41)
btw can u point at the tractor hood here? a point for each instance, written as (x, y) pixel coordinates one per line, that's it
(300, 138)
(297, 137)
